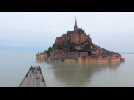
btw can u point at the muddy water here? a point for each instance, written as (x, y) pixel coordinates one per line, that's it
(14, 66)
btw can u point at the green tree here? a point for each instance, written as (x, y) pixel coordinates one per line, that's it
(49, 50)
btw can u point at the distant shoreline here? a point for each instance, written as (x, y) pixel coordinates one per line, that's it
(127, 52)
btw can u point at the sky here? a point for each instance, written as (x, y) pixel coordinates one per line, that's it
(38, 30)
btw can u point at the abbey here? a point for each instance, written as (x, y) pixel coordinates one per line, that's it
(77, 37)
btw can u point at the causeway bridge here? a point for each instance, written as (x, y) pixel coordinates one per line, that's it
(33, 78)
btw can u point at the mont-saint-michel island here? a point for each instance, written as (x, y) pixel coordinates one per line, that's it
(76, 46)
(57, 49)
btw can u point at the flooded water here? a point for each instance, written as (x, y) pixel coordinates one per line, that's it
(14, 65)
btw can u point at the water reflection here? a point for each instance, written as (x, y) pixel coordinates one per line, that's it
(78, 75)
(114, 67)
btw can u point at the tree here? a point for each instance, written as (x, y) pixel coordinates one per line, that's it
(49, 50)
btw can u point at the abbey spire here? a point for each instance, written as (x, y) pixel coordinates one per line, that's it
(75, 26)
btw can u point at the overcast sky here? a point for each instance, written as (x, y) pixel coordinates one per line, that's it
(111, 30)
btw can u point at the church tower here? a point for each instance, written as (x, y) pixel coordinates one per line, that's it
(75, 26)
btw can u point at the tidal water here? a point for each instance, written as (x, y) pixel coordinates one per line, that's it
(15, 64)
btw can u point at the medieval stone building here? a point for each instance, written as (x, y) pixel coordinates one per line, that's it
(76, 40)
(77, 36)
